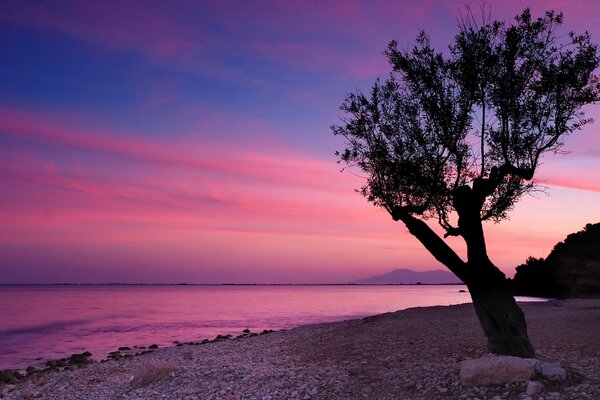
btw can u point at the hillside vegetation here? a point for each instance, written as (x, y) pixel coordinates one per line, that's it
(572, 269)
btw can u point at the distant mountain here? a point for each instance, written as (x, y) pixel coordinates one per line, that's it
(408, 276)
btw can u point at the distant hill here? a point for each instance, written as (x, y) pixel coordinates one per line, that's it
(408, 276)
(572, 269)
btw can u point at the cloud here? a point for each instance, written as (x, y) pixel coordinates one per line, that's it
(119, 25)
(243, 159)
(181, 187)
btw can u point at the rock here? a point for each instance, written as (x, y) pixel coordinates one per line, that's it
(150, 373)
(582, 386)
(534, 387)
(246, 330)
(553, 371)
(153, 346)
(124, 348)
(535, 363)
(495, 370)
(31, 370)
(79, 359)
(10, 376)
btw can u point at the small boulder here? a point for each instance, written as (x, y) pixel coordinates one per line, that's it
(79, 359)
(494, 370)
(534, 387)
(150, 373)
(153, 346)
(9, 376)
(553, 371)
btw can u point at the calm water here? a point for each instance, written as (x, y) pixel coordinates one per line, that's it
(38, 323)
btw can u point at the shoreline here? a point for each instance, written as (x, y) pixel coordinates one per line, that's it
(75, 323)
(37, 362)
(122, 352)
(409, 354)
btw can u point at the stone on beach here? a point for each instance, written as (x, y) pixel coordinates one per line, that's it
(395, 356)
(552, 371)
(80, 359)
(150, 373)
(10, 376)
(534, 387)
(495, 370)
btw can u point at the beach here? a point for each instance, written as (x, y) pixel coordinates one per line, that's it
(409, 354)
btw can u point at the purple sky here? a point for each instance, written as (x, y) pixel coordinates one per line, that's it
(189, 142)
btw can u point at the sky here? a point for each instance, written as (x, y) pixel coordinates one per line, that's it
(189, 141)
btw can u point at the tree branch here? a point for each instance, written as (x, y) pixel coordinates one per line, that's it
(432, 242)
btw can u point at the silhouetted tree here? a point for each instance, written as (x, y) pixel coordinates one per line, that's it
(536, 278)
(572, 269)
(456, 136)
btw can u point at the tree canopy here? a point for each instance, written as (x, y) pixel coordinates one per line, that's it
(472, 121)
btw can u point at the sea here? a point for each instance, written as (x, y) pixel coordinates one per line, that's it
(48, 322)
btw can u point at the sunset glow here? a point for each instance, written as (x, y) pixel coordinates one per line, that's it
(160, 144)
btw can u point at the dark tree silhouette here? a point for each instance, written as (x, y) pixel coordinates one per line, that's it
(572, 269)
(457, 136)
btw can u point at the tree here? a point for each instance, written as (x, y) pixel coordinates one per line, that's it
(457, 136)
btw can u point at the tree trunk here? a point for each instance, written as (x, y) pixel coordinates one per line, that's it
(501, 318)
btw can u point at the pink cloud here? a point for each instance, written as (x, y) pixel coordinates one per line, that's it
(245, 159)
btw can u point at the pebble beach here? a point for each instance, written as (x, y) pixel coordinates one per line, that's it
(409, 354)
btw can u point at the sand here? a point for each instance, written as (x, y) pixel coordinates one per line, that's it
(410, 354)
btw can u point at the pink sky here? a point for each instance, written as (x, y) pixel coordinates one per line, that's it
(192, 144)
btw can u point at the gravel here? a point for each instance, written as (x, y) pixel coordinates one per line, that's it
(410, 354)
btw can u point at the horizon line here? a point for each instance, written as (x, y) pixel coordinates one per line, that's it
(232, 284)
